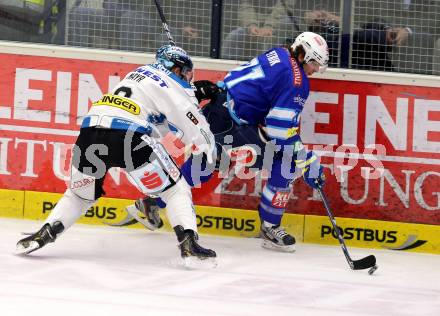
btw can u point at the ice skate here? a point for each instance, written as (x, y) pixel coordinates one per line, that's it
(194, 255)
(146, 212)
(39, 239)
(276, 238)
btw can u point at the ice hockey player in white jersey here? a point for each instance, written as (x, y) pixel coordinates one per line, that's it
(119, 131)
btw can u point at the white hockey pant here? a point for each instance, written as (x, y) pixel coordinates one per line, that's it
(180, 208)
(69, 209)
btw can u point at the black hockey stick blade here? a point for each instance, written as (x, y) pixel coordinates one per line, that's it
(364, 263)
(368, 262)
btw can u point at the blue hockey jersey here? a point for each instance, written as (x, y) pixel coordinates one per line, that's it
(270, 90)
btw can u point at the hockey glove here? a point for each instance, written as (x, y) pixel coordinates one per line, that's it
(205, 90)
(312, 171)
(196, 170)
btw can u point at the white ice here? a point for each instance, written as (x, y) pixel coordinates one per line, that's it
(108, 271)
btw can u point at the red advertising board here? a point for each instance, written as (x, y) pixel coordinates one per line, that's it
(391, 131)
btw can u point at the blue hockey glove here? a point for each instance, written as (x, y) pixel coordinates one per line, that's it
(315, 183)
(312, 171)
(196, 170)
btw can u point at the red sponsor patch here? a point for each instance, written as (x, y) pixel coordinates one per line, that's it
(192, 118)
(151, 180)
(280, 199)
(297, 77)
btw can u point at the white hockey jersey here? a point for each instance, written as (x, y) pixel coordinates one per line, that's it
(153, 96)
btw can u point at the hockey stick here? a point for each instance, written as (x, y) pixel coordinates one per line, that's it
(369, 262)
(164, 23)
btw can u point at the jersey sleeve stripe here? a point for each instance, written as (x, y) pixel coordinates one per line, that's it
(277, 132)
(280, 123)
(281, 132)
(284, 114)
(268, 193)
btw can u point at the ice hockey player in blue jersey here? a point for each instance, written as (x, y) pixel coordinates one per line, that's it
(260, 104)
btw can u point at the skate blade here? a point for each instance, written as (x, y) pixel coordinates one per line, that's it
(267, 244)
(194, 263)
(21, 250)
(133, 211)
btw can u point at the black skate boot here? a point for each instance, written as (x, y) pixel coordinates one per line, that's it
(39, 239)
(150, 213)
(276, 238)
(191, 252)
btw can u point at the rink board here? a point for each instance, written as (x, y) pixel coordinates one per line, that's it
(210, 220)
(47, 92)
(240, 223)
(374, 234)
(11, 203)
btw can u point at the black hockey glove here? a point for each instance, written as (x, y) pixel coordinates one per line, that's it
(205, 90)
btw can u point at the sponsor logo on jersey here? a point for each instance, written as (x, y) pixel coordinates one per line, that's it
(292, 131)
(273, 58)
(192, 118)
(280, 199)
(297, 77)
(152, 76)
(299, 100)
(151, 180)
(119, 102)
(166, 161)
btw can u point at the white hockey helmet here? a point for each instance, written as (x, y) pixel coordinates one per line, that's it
(315, 48)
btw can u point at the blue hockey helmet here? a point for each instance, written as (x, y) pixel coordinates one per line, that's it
(170, 56)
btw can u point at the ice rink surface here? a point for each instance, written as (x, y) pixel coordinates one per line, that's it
(94, 270)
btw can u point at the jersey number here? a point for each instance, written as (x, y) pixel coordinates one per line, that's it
(256, 72)
(126, 92)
